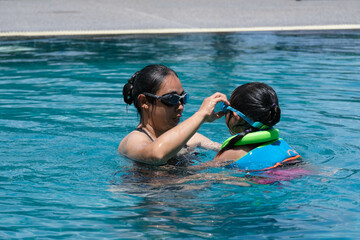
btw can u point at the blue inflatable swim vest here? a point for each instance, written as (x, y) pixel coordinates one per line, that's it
(272, 153)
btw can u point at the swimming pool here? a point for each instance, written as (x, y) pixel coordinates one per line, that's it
(62, 118)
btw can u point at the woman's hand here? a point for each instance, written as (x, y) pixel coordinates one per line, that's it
(208, 106)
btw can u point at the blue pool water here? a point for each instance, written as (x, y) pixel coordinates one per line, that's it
(62, 117)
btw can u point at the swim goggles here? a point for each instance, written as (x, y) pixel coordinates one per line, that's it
(170, 99)
(225, 108)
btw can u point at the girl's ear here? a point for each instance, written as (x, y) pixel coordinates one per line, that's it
(143, 102)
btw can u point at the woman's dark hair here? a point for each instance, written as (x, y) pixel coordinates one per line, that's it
(147, 80)
(257, 101)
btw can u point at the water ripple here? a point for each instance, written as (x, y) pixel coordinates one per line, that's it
(62, 117)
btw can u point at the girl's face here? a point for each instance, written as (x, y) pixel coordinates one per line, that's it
(235, 123)
(165, 117)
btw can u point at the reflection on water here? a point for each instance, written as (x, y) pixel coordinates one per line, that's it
(62, 118)
(189, 203)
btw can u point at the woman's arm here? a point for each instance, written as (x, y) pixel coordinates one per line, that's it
(199, 140)
(171, 142)
(226, 158)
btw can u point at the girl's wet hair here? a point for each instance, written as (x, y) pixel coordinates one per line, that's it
(148, 79)
(257, 101)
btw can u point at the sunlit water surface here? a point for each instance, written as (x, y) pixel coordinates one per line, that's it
(62, 117)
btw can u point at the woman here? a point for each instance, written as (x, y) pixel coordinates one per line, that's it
(159, 98)
(253, 111)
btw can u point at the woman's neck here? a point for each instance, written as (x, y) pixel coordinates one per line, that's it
(150, 129)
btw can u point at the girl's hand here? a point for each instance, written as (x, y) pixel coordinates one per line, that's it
(208, 106)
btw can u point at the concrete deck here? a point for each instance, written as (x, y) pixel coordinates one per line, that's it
(83, 17)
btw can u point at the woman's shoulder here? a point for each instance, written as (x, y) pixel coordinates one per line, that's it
(132, 140)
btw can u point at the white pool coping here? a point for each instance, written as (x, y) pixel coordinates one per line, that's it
(39, 18)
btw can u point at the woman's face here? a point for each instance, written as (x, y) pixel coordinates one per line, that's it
(165, 117)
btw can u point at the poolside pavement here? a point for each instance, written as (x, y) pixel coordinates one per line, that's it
(92, 17)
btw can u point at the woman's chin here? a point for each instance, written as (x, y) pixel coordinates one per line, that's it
(176, 121)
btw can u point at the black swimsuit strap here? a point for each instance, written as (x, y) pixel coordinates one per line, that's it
(143, 131)
(140, 129)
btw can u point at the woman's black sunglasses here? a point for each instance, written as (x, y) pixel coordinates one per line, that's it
(170, 99)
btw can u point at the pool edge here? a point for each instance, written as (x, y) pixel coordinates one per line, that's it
(176, 31)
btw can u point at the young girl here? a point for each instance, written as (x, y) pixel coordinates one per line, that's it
(253, 111)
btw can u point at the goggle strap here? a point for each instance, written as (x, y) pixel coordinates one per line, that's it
(259, 125)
